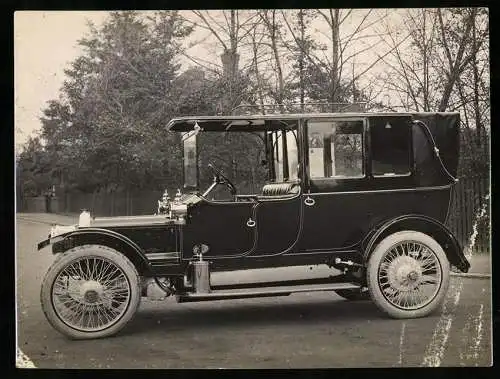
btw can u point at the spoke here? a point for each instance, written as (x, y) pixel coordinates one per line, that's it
(93, 269)
(409, 256)
(405, 300)
(420, 295)
(399, 297)
(72, 308)
(82, 273)
(103, 271)
(72, 271)
(393, 254)
(92, 323)
(385, 285)
(88, 269)
(107, 278)
(99, 320)
(384, 266)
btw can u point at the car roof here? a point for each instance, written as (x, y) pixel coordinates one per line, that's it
(189, 121)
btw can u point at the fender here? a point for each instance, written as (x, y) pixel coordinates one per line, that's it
(424, 224)
(104, 237)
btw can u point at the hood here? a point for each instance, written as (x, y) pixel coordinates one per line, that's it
(103, 222)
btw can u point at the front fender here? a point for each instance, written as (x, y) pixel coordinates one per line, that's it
(104, 237)
(423, 224)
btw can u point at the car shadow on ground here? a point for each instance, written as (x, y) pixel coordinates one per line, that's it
(252, 314)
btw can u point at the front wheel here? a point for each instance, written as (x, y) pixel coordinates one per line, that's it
(408, 275)
(90, 291)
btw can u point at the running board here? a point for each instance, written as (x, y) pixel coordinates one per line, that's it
(262, 292)
(282, 283)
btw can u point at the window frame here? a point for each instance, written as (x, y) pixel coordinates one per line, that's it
(276, 149)
(364, 143)
(411, 161)
(184, 137)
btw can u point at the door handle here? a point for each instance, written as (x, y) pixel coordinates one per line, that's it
(250, 223)
(309, 201)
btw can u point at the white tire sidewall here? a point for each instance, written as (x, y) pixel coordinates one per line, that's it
(67, 258)
(374, 264)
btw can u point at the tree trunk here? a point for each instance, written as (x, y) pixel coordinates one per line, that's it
(301, 59)
(257, 75)
(455, 67)
(334, 77)
(271, 28)
(281, 84)
(477, 113)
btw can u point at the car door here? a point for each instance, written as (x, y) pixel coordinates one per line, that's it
(336, 169)
(278, 224)
(279, 211)
(348, 192)
(226, 228)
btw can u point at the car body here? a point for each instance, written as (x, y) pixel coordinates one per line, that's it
(337, 187)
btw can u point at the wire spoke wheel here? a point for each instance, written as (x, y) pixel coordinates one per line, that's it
(90, 294)
(409, 275)
(91, 291)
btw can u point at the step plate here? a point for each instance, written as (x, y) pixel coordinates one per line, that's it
(262, 292)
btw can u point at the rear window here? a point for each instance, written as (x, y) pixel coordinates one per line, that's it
(390, 146)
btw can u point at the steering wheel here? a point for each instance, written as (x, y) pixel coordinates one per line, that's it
(220, 178)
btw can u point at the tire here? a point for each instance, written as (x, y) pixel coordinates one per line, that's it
(354, 295)
(395, 279)
(106, 288)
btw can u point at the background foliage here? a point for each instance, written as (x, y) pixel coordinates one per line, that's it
(106, 131)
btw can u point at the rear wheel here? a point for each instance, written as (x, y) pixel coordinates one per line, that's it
(90, 291)
(408, 275)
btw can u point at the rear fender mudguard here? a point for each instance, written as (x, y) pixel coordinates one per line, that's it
(114, 240)
(423, 224)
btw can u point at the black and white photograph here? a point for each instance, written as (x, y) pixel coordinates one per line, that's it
(253, 188)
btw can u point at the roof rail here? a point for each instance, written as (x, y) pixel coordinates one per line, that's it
(311, 107)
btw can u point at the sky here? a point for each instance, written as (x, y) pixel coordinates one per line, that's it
(44, 45)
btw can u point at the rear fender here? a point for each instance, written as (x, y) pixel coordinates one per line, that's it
(114, 240)
(423, 224)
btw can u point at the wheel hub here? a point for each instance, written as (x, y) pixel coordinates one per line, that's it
(405, 273)
(91, 291)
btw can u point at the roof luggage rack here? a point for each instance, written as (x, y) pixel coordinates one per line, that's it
(290, 108)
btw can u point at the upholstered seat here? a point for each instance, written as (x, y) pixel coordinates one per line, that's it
(280, 189)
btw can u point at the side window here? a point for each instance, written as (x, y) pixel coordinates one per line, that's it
(291, 156)
(335, 149)
(390, 146)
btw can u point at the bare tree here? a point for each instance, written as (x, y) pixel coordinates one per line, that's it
(426, 69)
(269, 19)
(443, 67)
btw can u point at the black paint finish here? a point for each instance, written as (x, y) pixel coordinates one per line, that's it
(342, 212)
(152, 239)
(278, 225)
(341, 220)
(222, 226)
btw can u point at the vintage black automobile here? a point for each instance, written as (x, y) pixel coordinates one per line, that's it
(364, 193)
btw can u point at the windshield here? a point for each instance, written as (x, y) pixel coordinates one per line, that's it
(248, 159)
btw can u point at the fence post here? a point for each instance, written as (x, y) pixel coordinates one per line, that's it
(460, 212)
(93, 201)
